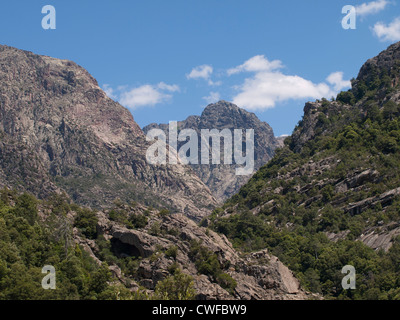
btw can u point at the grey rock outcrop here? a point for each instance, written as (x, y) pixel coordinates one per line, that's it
(381, 238)
(222, 179)
(387, 62)
(258, 275)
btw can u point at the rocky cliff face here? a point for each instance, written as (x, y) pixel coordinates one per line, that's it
(384, 67)
(222, 179)
(61, 132)
(258, 275)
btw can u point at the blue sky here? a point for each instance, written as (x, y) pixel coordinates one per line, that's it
(166, 60)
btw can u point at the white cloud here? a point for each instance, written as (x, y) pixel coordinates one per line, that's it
(203, 72)
(213, 97)
(336, 79)
(212, 83)
(269, 85)
(372, 7)
(147, 95)
(255, 64)
(200, 72)
(109, 91)
(265, 89)
(390, 32)
(167, 87)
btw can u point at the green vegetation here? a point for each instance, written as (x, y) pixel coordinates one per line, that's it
(164, 212)
(172, 252)
(207, 263)
(84, 187)
(138, 220)
(124, 215)
(28, 243)
(316, 260)
(36, 233)
(176, 287)
(86, 221)
(295, 212)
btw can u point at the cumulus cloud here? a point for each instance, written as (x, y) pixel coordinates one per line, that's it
(372, 7)
(200, 72)
(213, 97)
(146, 95)
(203, 72)
(167, 87)
(336, 79)
(265, 89)
(255, 64)
(390, 32)
(269, 85)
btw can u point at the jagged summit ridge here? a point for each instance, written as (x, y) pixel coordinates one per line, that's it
(222, 179)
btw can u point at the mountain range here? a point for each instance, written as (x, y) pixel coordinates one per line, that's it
(76, 180)
(79, 194)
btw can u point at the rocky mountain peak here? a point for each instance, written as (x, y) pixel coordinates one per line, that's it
(221, 108)
(386, 60)
(225, 114)
(376, 85)
(379, 76)
(81, 141)
(222, 179)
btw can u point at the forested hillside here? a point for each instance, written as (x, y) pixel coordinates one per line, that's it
(331, 196)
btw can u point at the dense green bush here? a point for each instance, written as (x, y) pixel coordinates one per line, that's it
(176, 287)
(86, 221)
(28, 243)
(172, 252)
(138, 220)
(207, 263)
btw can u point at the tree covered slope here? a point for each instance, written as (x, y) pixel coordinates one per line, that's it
(331, 196)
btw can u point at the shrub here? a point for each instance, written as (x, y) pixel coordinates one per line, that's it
(155, 229)
(164, 212)
(173, 267)
(138, 220)
(86, 220)
(207, 263)
(176, 287)
(26, 207)
(346, 97)
(226, 282)
(172, 252)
